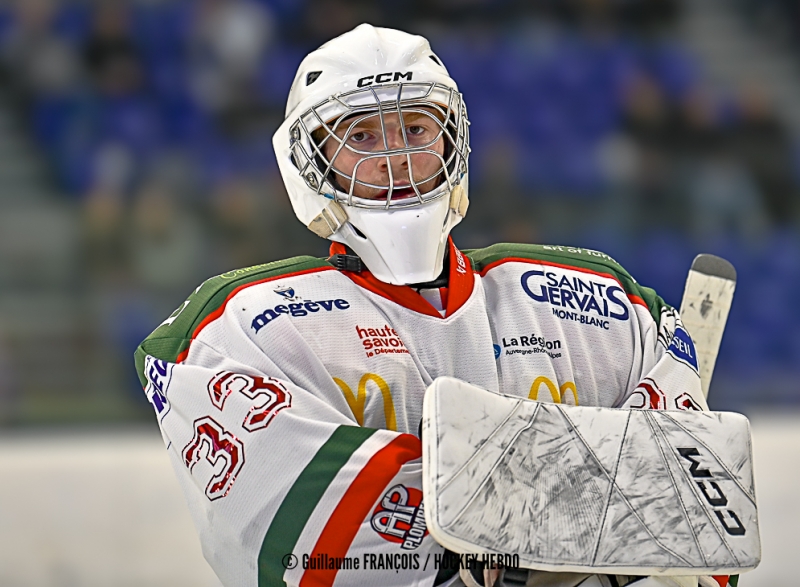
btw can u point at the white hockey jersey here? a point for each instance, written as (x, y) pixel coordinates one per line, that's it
(290, 395)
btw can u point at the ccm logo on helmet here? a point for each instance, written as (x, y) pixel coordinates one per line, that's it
(382, 78)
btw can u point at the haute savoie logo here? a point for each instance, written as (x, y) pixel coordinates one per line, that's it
(381, 341)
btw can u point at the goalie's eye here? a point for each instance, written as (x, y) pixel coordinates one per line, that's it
(416, 130)
(359, 137)
(363, 140)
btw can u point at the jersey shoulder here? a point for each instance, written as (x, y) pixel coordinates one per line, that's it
(172, 337)
(578, 258)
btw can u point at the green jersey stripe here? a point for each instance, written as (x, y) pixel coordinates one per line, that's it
(356, 505)
(170, 340)
(303, 497)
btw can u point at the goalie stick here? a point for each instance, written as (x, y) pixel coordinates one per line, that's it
(707, 298)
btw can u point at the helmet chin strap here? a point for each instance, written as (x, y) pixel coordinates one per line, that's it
(349, 261)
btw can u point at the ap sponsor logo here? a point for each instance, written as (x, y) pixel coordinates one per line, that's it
(577, 299)
(400, 517)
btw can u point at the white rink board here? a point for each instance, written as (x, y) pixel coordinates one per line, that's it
(100, 509)
(776, 455)
(94, 510)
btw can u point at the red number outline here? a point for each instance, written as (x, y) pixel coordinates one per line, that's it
(271, 393)
(220, 445)
(652, 397)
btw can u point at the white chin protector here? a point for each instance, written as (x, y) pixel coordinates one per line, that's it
(393, 200)
(399, 246)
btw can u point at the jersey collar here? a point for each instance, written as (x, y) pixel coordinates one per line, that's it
(461, 281)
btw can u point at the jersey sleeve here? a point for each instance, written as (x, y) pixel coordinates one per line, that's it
(668, 376)
(284, 486)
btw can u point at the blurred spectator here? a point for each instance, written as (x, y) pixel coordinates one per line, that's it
(228, 42)
(110, 53)
(240, 223)
(252, 222)
(105, 209)
(165, 242)
(699, 129)
(651, 123)
(761, 142)
(619, 159)
(40, 62)
(104, 235)
(648, 117)
(503, 205)
(325, 19)
(9, 387)
(725, 200)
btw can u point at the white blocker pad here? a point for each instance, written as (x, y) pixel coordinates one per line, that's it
(588, 490)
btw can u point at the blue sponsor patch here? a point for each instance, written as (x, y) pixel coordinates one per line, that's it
(682, 348)
(158, 375)
(497, 351)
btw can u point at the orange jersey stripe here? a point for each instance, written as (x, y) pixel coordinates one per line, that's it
(357, 503)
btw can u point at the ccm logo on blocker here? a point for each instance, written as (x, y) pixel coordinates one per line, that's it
(716, 499)
(297, 310)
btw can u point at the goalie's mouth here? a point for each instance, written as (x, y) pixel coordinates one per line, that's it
(400, 192)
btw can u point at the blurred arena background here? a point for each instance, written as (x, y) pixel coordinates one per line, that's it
(136, 161)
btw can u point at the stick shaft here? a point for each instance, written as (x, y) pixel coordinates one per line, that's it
(707, 299)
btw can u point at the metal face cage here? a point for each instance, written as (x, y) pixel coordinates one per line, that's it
(328, 127)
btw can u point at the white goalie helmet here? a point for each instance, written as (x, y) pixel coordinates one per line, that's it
(374, 149)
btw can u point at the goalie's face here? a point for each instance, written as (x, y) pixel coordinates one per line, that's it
(361, 147)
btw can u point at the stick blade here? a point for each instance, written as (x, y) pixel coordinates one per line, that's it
(714, 266)
(707, 300)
